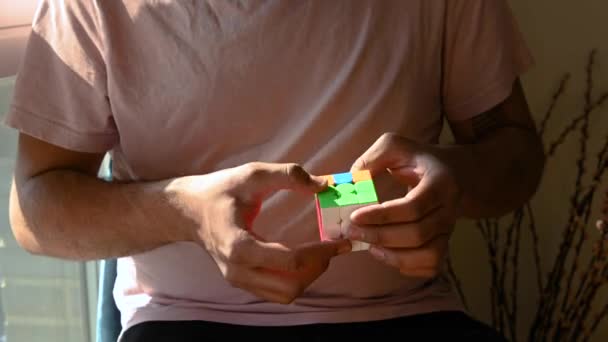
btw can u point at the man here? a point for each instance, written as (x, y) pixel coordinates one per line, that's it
(206, 105)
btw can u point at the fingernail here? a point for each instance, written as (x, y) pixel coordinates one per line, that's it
(377, 252)
(356, 166)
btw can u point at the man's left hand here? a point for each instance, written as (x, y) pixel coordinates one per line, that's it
(410, 233)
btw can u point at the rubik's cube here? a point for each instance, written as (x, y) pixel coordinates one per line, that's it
(346, 193)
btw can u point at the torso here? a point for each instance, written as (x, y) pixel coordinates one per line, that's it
(198, 86)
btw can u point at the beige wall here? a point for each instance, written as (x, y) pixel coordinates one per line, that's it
(560, 34)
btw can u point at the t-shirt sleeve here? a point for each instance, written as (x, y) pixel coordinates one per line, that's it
(60, 93)
(484, 54)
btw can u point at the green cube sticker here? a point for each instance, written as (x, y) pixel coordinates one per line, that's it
(366, 192)
(346, 194)
(367, 197)
(327, 198)
(365, 186)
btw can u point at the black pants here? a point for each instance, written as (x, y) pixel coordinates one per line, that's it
(438, 326)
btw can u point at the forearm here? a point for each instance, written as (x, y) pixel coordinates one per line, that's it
(497, 174)
(71, 215)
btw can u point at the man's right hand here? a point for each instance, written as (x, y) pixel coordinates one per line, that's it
(223, 206)
(59, 208)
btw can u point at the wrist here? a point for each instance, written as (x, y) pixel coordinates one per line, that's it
(185, 209)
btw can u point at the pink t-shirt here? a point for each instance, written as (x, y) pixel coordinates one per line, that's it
(189, 87)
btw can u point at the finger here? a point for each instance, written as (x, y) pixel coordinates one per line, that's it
(294, 283)
(321, 252)
(388, 152)
(242, 248)
(271, 177)
(406, 235)
(283, 285)
(406, 175)
(418, 203)
(426, 261)
(264, 284)
(246, 250)
(273, 255)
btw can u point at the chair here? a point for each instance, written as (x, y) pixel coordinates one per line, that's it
(108, 316)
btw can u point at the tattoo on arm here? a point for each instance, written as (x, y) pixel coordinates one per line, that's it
(493, 120)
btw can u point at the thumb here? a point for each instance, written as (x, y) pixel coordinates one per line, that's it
(271, 177)
(321, 252)
(388, 152)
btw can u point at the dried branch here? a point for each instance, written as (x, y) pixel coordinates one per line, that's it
(554, 99)
(592, 290)
(577, 208)
(535, 248)
(602, 155)
(515, 278)
(569, 291)
(573, 124)
(600, 101)
(581, 170)
(589, 196)
(589, 86)
(457, 284)
(569, 304)
(596, 320)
